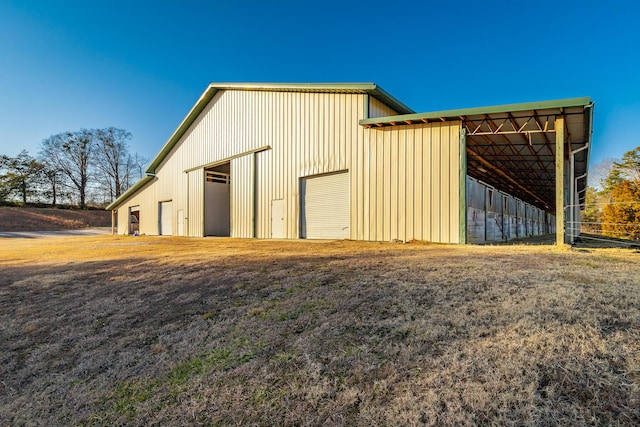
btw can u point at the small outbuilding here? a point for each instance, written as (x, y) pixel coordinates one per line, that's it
(350, 161)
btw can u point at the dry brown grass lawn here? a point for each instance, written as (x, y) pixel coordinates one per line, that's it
(175, 331)
(45, 219)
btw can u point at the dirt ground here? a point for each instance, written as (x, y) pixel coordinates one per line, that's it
(46, 219)
(115, 330)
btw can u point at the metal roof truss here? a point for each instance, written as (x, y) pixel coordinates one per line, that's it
(515, 151)
(513, 147)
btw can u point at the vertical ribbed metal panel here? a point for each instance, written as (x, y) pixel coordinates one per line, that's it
(378, 109)
(393, 192)
(435, 188)
(166, 218)
(409, 168)
(386, 187)
(410, 183)
(325, 206)
(194, 187)
(403, 179)
(123, 220)
(355, 137)
(309, 133)
(242, 196)
(402, 184)
(262, 194)
(149, 207)
(418, 178)
(451, 200)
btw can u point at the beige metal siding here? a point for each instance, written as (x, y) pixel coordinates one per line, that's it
(165, 224)
(308, 133)
(194, 201)
(242, 197)
(148, 207)
(378, 109)
(404, 180)
(411, 184)
(263, 193)
(325, 206)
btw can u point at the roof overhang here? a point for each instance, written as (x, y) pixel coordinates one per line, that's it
(512, 147)
(370, 89)
(130, 191)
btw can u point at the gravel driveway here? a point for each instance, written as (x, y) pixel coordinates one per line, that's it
(94, 231)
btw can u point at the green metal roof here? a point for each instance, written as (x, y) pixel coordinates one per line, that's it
(457, 114)
(137, 186)
(515, 141)
(579, 125)
(370, 89)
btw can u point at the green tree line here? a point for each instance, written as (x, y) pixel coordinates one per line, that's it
(612, 205)
(81, 167)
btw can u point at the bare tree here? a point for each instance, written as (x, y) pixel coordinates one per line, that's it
(135, 168)
(112, 158)
(94, 163)
(71, 153)
(118, 168)
(53, 181)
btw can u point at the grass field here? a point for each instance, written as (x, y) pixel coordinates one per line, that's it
(117, 330)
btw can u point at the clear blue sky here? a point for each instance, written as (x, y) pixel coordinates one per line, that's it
(141, 65)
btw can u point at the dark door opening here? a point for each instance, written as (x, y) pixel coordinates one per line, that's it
(134, 220)
(217, 201)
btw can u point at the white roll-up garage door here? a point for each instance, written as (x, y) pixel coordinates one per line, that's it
(166, 220)
(325, 206)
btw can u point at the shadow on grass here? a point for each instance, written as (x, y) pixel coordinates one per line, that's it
(383, 336)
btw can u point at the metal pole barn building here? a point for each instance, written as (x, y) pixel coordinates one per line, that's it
(349, 161)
